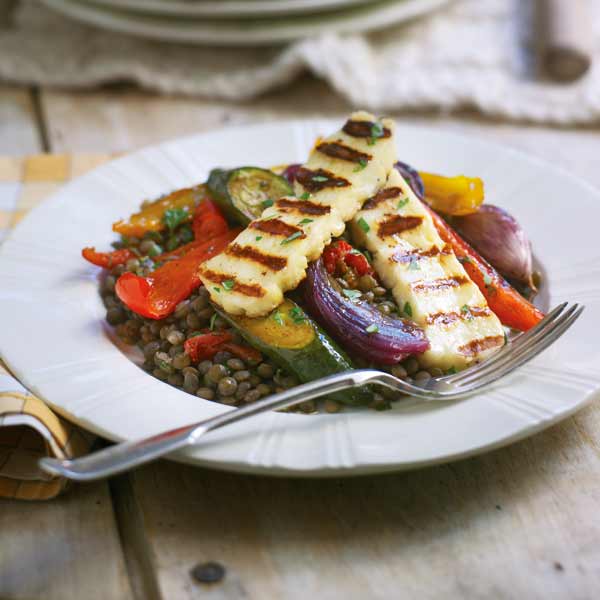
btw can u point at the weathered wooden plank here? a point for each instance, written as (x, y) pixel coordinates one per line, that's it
(520, 522)
(68, 547)
(63, 549)
(18, 129)
(118, 121)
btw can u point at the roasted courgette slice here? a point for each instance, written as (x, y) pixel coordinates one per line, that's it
(245, 192)
(297, 344)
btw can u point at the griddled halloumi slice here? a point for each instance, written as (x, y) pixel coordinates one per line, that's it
(427, 281)
(271, 255)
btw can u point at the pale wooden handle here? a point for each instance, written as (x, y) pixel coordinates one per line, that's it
(566, 38)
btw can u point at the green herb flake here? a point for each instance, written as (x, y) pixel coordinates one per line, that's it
(464, 260)
(352, 294)
(376, 132)
(211, 325)
(228, 284)
(466, 311)
(305, 221)
(452, 370)
(305, 196)
(368, 256)
(413, 265)
(407, 309)
(174, 217)
(319, 178)
(505, 338)
(266, 203)
(155, 250)
(278, 318)
(402, 203)
(258, 238)
(373, 328)
(297, 315)
(362, 164)
(292, 237)
(364, 225)
(216, 289)
(489, 284)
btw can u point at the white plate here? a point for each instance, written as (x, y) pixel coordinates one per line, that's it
(230, 32)
(52, 333)
(227, 8)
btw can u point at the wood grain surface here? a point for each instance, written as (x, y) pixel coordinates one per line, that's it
(520, 522)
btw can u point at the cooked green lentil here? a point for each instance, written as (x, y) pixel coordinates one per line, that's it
(226, 378)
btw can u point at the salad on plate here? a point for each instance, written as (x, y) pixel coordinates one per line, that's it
(259, 279)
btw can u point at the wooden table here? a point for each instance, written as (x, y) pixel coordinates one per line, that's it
(520, 522)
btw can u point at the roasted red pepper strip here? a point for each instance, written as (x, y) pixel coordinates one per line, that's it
(157, 295)
(209, 221)
(107, 260)
(510, 307)
(342, 250)
(246, 353)
(206, 345)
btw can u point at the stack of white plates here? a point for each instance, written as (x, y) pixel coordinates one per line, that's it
(241, 22)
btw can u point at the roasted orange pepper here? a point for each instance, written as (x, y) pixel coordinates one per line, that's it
(152, 216)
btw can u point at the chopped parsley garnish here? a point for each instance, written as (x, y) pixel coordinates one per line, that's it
(407, 309)
(319, 178)
(373, 328)
(186, 234)
(305, 196)
(305, 221)
(163, 364)
(464, 260)
(505, 338)
(266, 203)
(297, 315)
(489, 284)
(172, 243)
(258, 238)
(368, 256)
(403, 202)
(362, 164)
(277, 317)
(291, 238)
(376, 132)
(174, 217)
(413, 265)
(228, 284)
(466, 311)
(211, 325)
(352, 294)
(451, 370)
(364, 225)
(155, 250)
(218, 290)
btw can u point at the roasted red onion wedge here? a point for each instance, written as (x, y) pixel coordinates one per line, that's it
(359, 327)
(412, 177)
(499, 238)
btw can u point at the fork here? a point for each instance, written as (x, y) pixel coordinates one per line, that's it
(515, 353)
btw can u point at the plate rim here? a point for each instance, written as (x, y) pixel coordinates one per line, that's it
(355, 469)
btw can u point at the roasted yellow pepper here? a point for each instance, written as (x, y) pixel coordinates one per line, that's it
(458, 195)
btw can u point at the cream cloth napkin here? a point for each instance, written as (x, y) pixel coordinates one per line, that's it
(475, 53)
(28, 428)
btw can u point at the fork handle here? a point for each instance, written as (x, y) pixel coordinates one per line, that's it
(127, 455)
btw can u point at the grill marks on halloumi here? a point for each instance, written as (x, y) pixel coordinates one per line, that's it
(271, 255)
(427, 280)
